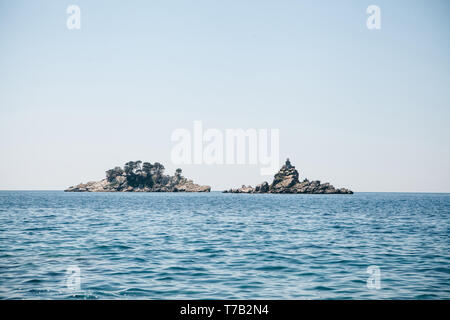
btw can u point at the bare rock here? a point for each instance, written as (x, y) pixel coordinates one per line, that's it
(287, 181)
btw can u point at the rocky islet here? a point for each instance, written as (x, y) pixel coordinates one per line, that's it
(287, 181)
(136, 176)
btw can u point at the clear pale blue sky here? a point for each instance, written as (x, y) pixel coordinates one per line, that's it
(364, 109)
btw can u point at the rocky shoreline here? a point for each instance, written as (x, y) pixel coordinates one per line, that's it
(286, 181)
(140, 177)
(136, 176)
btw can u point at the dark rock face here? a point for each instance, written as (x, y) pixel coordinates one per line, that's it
(135, 177)
(262, 188)
(286, 181)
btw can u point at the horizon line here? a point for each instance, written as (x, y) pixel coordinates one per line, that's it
(426, 192)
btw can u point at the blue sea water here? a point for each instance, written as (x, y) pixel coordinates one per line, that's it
(223, 246)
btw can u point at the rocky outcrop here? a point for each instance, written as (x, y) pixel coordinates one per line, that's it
(287, 181)
(140, 177)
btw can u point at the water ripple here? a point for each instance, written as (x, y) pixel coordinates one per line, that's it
(229, 246)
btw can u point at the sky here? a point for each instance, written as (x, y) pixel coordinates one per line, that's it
(364, 109)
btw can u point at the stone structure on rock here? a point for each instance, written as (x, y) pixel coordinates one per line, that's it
(287, 181)
(140, 177)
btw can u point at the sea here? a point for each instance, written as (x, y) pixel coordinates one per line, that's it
(57, 245)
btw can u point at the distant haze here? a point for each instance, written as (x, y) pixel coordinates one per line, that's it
(363, 109)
